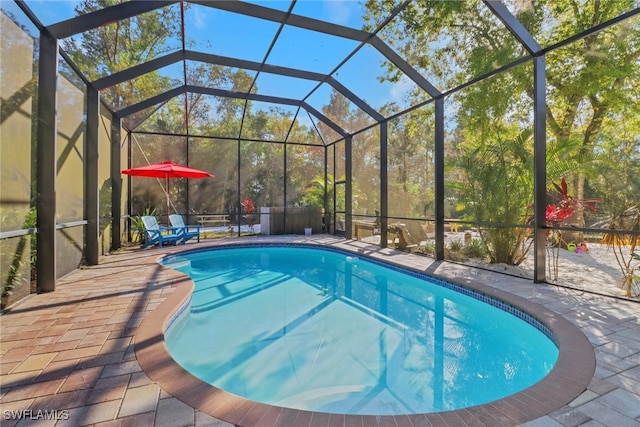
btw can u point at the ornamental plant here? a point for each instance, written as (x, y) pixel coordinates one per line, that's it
(560, 210)
(249, 209)
(496, 187)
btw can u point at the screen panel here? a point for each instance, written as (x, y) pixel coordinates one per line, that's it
(104, 181)
(17, 163)
(365, 148)
(411, 168)
(217, 195)
(70, 177)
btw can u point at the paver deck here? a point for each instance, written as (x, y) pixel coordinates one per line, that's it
(68, 358)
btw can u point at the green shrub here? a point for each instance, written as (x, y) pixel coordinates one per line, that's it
(475, 249)
(137, 226)
(455, 246)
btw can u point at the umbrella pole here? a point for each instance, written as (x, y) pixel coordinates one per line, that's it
(168, 209)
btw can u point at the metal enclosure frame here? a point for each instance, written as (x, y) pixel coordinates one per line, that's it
(46, 132)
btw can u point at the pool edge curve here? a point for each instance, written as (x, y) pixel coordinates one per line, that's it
(569, 377)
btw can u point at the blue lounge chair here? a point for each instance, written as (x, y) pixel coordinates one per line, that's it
(155, 234)
(185, 232)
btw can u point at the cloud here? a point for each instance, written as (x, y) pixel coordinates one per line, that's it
(199, 18)
(400, 90)
(340, 11)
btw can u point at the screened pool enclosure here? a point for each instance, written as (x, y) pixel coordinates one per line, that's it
(483, 132)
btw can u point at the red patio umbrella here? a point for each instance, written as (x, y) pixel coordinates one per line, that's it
(167, 170)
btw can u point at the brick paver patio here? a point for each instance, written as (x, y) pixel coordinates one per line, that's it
(68, 358)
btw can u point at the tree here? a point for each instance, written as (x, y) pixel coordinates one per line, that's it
(315, 193)
(498, 189)
(590, 82)
(124, 44)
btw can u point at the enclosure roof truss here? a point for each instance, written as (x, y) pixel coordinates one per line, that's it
(96, 19)
(227, 94)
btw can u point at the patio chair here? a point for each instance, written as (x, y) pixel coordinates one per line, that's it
(155, 234)
(185, 232)
(410, 234)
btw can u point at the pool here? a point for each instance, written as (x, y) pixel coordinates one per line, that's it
(324, 330)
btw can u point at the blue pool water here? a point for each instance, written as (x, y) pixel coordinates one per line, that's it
(326, 331)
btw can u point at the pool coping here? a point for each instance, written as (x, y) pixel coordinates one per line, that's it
(569, 377)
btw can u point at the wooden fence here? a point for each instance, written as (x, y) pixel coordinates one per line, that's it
(279, 220)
